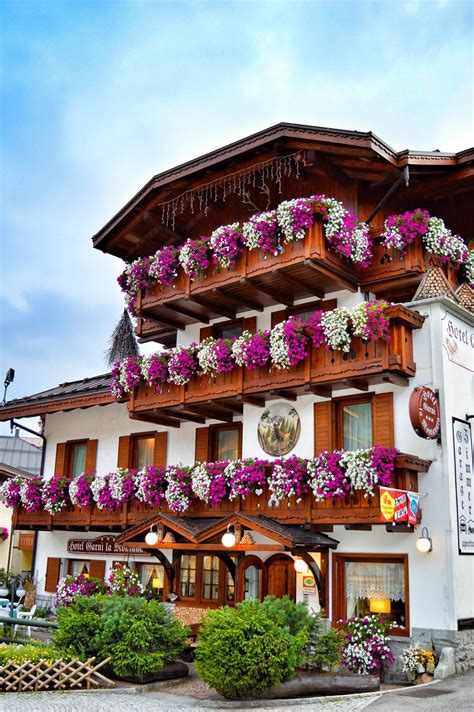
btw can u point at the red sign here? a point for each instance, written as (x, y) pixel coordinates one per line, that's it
(393, 505)
(424, 412)
(101, 545)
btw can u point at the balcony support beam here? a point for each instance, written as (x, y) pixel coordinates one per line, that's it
(222, 311)
(230, 407)
(205, 411)
(322, 391)
(294, 282)
(251, 400)
(288, 395)
(181, 415)
(396, 379)
(343, 283)
(164, 321)
(277, 296)
(250, 303)
(156, 419)
(187, 312)
(355, 383)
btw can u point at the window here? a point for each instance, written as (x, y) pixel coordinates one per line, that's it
(210, 578)
(188, 576)
(152, 577)
(228, 329)
(226, 442)
(143, 451)
(367, 584)
(76, 458)
(229, 587)
(252, 583)
(356, 425)
(78, 566)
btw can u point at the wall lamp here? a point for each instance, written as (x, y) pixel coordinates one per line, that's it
(424, 543)
(228, 538)
(152, 537)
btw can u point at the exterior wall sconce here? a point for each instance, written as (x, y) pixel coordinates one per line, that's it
(152, 537)
(228, 538)
(424, 543)
(301, 567)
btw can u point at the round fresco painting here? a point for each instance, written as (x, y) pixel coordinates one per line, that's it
(279, 429)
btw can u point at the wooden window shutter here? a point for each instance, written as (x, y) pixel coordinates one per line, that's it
(249, 324)
(201, 453)
(60, 464)
(206, 332)
(97, 569)
(91, 455)
(53, 566)
(323, 427)
(124, 451)
(382, 420)
(159, 454)
(278, 316)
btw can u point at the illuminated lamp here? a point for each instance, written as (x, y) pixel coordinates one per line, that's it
(155, 582)
(380, 605)
(424, 543)
(151, 537)
(301, 567)
(228, 538)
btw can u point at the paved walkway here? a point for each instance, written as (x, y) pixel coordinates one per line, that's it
(455, 693)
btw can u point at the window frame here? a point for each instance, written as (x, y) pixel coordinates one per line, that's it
(198, 598)
(218, 328)
(339, 404)
(339, 560)
(214, 431)
(134, 438)
(70, 445)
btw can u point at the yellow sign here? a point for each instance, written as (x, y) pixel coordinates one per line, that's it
(387, 506)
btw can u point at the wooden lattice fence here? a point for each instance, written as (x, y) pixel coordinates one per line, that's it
(52, 675)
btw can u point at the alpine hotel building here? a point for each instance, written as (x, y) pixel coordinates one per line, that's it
(345, 552)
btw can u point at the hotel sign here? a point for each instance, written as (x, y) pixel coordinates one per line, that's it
(463, 463)
(102, 545)
(424, 413)
(458, 341)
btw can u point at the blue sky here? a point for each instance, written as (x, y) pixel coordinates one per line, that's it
(99, 96)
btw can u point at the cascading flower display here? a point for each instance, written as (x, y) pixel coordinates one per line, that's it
(295, 217)
(179, 492)
(80, 492)
(288, 479)
(366, 648)
(194, 257)
(209, 482)
(150, 485)
(369, 321)
(246, 477)
(401, 230)
(126, 374)
(122, 485)
(70, 587)
(469, 268)
(288, 342)
(124, 581)
(327, 478)
(335, 326)
(102, 493)
(344, 233)
(30, 493)
(182, 364)
(154, 369)
(134, 278)
(226, 244)
(215, 356)
(54, 494)
(10, 492)
(262, 232)
(163, 266)
(365, 469)
(252, 350)
(441, 242)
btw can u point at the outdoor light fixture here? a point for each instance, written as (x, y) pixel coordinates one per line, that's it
(228, 538)
(152, 537)
(9, 377)
(424, 543)
(3, 590)
(301, 567)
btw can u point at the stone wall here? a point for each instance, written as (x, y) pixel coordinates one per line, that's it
(462, 641)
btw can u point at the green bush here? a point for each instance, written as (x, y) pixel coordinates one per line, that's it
(244, 651)
(140, 636)
(323, 651)
(295, 616)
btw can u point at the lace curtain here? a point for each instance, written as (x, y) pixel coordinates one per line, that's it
(357, 426)
(375, 580)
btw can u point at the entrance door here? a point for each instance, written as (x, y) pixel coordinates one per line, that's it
(282, 578)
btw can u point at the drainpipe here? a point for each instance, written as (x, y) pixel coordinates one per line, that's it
(402, 178)
(14, 424)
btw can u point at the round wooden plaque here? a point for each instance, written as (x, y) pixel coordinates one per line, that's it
(424, 412)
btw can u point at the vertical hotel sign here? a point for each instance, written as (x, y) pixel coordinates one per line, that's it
(463, 463)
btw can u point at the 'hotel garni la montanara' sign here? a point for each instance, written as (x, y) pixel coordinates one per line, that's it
(101, 545)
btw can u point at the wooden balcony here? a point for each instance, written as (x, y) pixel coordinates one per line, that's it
(321, 372)
(353, 510)
(26, 541)
(307, 268)
(395, 276)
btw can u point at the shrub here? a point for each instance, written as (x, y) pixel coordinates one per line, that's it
(323, 651)
(295, 616)
(243, 651)
(139, 635)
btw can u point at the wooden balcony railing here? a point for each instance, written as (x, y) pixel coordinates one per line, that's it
(305, 268)
(354, 509)
(26, 541)
(366, 363)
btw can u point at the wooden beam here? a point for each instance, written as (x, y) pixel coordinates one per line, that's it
(250, 303)
(162, 320)
(156, 419)
(358, 527)
(207, 412)
(222, 311)
(322, 391)
(316, 159)
(185, 546)
(357, 383)
(342, 282)
(288, 395)
(174, 306)
(289, 279)
(182, 415)
(251, 400)
(231, 407)
(277, 296)
(395, 378)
